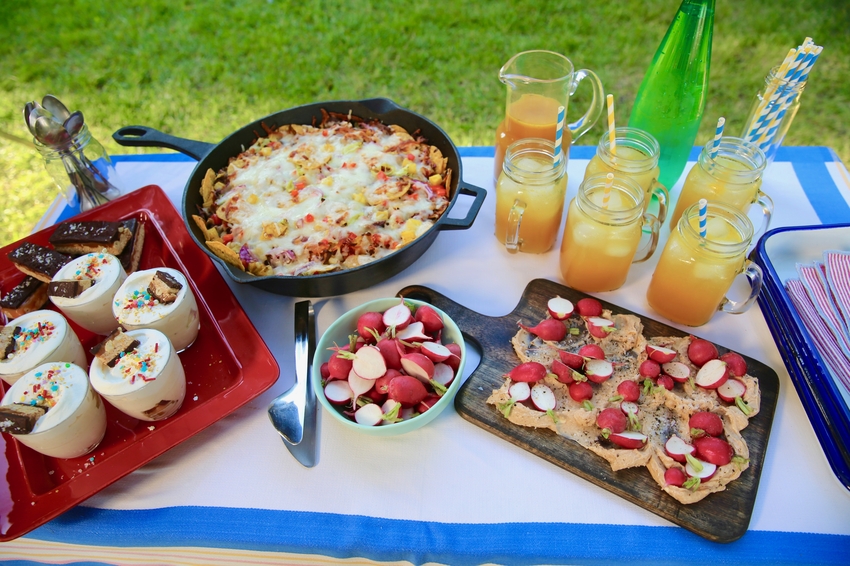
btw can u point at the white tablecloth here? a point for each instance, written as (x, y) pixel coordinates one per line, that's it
(448, 492)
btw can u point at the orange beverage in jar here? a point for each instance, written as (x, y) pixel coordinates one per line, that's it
(694, 273)
(601, 237)
(530, 196)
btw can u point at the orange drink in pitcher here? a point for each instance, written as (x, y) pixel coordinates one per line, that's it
(732, 174)
(635, 155)
(538, 83)
(530, 196)
(604, 227)
(695, 272)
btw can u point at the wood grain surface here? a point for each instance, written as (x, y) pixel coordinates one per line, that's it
(720, 517)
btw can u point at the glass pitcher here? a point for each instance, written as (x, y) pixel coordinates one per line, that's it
(538, 83)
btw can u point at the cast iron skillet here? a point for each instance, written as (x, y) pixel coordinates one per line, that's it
(215, 156)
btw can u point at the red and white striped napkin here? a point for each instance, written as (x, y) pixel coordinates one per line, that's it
(822, 299)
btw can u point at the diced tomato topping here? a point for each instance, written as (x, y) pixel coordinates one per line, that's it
(382, 176)
(411, 157)
(325, 133)
(227, 238)
(439, 191)
(300, 185)
(309, 217)
(216, 220)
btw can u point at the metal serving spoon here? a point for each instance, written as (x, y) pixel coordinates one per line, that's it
(293, 414)
(55, 107)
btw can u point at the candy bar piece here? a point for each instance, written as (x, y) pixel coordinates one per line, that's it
(38, 261)
(90, 237)
(27, 296)
(69, 289)
(114, 346)
(19, 418)
(132, 252)
(164, 287)
(7, 340)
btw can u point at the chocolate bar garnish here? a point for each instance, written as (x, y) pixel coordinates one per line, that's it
(19, 418)
(7, 340)
(114, 347)
(38, 261)
(20, 293)
(95, 231)
(69, 289)
(164, 287)
(132, 252)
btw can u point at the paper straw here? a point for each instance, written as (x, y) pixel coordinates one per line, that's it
(770, 95)
(612, 133)
(606, 196)
(559, 134)
(718, 133)
(703, 217)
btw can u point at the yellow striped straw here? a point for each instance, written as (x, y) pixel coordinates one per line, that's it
(606, 196)
(612, 133)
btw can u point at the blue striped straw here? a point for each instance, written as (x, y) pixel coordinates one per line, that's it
(718, 133)
(559, 134)
(703, 217)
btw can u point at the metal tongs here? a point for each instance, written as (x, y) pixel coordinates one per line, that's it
(293, 414)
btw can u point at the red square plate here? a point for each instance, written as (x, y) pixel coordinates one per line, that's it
(229, 364)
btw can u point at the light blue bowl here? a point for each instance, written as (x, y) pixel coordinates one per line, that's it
(337, 334)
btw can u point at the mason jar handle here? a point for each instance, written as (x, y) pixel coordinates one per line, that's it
(649, 247)
(597, 103)
(663, 196)
(766, 203)
(512, 241)
(754, 274)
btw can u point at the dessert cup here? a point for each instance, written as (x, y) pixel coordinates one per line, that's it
(92, 309)
(45, 336)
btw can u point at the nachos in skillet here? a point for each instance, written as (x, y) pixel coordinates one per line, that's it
(316, 199)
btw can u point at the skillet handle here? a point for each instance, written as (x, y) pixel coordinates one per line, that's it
(143, 136)
(464, 223)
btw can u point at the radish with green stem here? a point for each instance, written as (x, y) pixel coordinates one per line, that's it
(630, 390)
(430, 318)
(338, 366)
(649, 368)
(594, 351)
(571, 360)
(435, 351)
(413, 332)
(338, 392)
(390, 351)
(714, 450)
(630, 439)
(369, 363)
(589, 306)
(630, 411)
(599, 327)
(581, 391)
(443, 374)
(736, 363)
(528, 371)
(358, 385)
(712, 374)
(407, 390)
(677, 449)
(560, 308)
(391, 409)
(369, 415)
(677, 370)
(611, 420)
(418, 365)
(732, 389)
(550, 330)
(563, 372)
(704, 422)
(454, 360)
(675, 476)
(598, 371)
(369, 325)
(665, 381)
(397, 317)
(660, 354)
(519, 391)
(699, 468)
(701, 351)
(427, 403)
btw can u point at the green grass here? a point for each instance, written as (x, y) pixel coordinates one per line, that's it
(203, 69)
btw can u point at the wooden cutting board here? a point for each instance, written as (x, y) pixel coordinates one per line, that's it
(720, 517)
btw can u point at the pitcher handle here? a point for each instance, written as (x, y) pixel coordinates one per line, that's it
(512, 241)
(583, 124)
(766, 203)
(663, 196)
(654, 228)
(754, 274)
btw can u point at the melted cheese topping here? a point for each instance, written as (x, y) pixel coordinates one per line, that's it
(307, 200)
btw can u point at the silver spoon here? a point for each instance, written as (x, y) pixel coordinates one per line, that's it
(50, 132)
(74, 123)
(28, 108)
(55, 107)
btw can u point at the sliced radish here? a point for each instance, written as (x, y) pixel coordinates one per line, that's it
(413, 332)
(369, 415)
(454, 359)
(628, 439)
(358, 385)
(599, 327)
(677, 449)
(611, 420)
(338, 392)
(369, 363)
(629, 408)
(714, 450)
(699, 469)
(443, 374)
(563, 372)
(390, 350)
(677, 370)
(430, 318)
(598, 371)
(391, 409)
(571, 360)
(705, 422)
(712, 374)
(435, 351)
(732, 388)
(594, 351)
(427, 403)
(543, 397)
(519, 391)
(560, 308)
(660, 354)
(398, 316)
(418, 365)
(549, 329)
(665, 381)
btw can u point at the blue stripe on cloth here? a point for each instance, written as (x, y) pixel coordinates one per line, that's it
(154, 157)
(809, 164)
(576, 151)
(342, 536)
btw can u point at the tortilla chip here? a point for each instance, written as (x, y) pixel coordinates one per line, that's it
(207, 188)
(438, 160)
(209, 233)
(400, 132)
(259, 268)
(448, 181)
(225, 253)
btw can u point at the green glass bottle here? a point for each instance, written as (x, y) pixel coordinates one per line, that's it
(671, 98)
